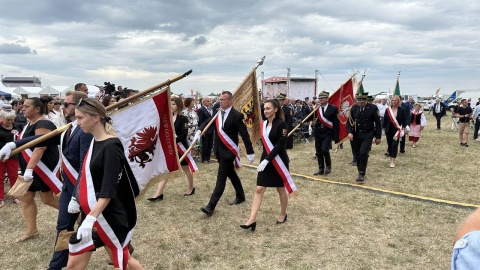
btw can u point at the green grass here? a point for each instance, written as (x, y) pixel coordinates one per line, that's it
(329, 226)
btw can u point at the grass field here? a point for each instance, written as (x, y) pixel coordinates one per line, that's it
(330, 225)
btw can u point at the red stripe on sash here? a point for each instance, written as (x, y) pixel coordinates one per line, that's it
(324, 120)
(228, 142)
(191, 162)
(394, 121)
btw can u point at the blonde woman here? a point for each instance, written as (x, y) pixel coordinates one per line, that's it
(106, 193)
(394, 124)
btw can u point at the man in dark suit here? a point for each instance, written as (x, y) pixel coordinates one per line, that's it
(406, 106)
(229, 124)
(287, 111)
(204, 113)
(362, 126)
(74, 144)
(326, 128)
(439, 111)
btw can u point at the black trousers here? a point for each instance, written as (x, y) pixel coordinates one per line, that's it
(477, 127)
(289, 139)
(439, 118)
(362, 144)
(207, 143)
(392, 145)
(226, 169)
(322, 147)
(402, 144)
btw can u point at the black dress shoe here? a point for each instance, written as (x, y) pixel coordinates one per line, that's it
(207, 211)
(237, 201)
(159, 198)
(284, 220)
(360, 179)
(321, 171)
(191, 193)
(328, 170)
(252, 226)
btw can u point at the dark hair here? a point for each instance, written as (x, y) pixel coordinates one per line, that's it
(45, 100)
(106, 100)
(230, 95)
(279, 114)
(187, 102)
(14, 102)
(179, 103)
(78, 85)
(38, 103)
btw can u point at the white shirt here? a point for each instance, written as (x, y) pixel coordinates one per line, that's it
(227, 111)
(382, 108)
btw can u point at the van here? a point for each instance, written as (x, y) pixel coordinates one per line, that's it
(467, 95)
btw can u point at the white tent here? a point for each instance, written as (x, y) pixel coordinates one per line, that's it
(53, 90)
(29, 91)
(92, 90)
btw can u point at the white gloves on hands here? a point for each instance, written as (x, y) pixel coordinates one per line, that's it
(85, 230)
(262, 165)
(197, 136)
(310, 130)
(6, 150)
(28, 175)
(250, 158)
(73, 206)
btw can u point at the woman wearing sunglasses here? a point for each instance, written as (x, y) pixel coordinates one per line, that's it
(106, 192)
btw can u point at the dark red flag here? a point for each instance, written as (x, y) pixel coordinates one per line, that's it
(343, 98)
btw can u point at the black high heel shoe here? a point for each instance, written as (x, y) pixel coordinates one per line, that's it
(252, 226)
(159, 198)
(191, 193)
(284, 220)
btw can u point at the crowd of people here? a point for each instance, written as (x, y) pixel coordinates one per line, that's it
(101, 194)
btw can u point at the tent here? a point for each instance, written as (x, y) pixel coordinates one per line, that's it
(5, 92)
(29, 91)
(53, 90)
(6, 95)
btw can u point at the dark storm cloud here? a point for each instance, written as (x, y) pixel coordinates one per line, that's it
(11, 48)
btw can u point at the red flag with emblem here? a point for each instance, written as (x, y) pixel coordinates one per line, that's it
(343, 98)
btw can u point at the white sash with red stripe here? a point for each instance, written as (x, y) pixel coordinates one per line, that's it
(227, 141)
(277, 161)
(49, 177)
(87, 202)
(67, 168)
(191, 162)
(395, 123)
(322, 118)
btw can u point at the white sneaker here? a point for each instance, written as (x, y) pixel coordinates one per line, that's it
(477, 139)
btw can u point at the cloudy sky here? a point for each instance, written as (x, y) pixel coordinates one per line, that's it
(435, 44)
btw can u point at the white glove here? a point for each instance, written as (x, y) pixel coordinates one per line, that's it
(407, 128)
(28, 175)
(262, 165)
(402, 133)
(310, 130)
(84, 232)
(251, 158)
(197, 136)
(73, 206)
(6, 150)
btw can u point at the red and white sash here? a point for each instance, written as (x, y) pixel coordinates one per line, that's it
(394, 121)
(277, 161)
(49, 177)
(322, 118)
(67, 168)
(191, 162)
(227, 141)
(87, 201)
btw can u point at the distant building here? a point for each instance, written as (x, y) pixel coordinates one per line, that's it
(21, 81)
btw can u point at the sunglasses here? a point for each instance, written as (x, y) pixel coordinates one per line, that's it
(65, 104)
(82, 102)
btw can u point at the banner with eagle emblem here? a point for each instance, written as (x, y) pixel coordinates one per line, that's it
(147, 134)
(343, 98)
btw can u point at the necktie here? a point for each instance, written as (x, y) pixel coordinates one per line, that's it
(223, 115)
(323, 110)
(68, 133)
(361, 110)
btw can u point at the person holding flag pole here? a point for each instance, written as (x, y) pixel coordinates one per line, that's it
(273, 169)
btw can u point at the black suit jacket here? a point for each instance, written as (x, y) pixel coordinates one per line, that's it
(331, 113)
(443, 111)
(278, 137)
(204, 115)
(181, 130)
(401, 119)
(233, 126)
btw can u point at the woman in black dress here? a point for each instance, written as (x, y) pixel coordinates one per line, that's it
(394, 115)
(268, 175)
(106, 192)
(180, 123)
(34, 111)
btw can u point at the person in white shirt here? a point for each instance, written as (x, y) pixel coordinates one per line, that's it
(476, 117)
(382, 106)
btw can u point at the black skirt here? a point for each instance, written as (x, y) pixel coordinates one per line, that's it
(269, 177)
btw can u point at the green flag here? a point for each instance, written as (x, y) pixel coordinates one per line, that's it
(397, 89)
(360, 89)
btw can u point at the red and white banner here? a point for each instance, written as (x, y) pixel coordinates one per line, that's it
(49, 177)
(67, 168)
(324, 120)
(227, 141)
(87, 201)
(147, 134)
(343, 98)
(395, 123)
(191, 162)
(277, 161)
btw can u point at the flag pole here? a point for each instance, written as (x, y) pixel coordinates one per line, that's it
(259, 63)
(61, 129)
